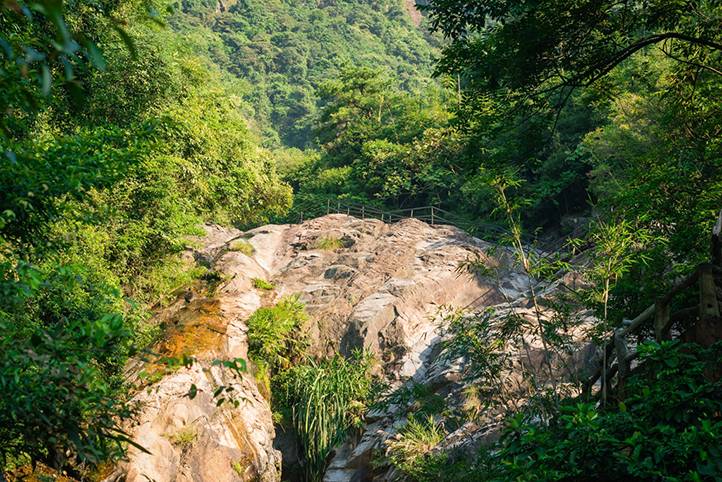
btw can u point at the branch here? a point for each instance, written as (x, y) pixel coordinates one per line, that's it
(689, 62)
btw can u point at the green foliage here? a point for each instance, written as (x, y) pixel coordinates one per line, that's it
(479, 343)
(528, 49)
(328, 243)
(283, 51)
(102, 179)
(63, 341)
(668, 428)
(242, 246)
(274, 334)
(409, 451)
(262, 284)
(47, 47)
(657, 161)
(378, 145)
(322, 401)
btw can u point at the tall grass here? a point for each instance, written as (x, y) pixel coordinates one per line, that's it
(323, 401)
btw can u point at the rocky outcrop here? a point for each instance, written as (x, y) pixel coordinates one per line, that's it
(381, 287)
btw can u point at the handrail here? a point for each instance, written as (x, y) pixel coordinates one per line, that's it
(432, 214)
(659, 312)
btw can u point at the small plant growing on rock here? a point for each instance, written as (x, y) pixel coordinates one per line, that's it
(242, 246)
(273, 336)
(328, 243)
(261, 284)
(238, 468)
(411, 448)
(185, 437)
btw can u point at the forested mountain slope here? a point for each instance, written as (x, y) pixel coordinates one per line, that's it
(283, 51)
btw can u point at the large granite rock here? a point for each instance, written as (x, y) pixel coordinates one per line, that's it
(381, 287)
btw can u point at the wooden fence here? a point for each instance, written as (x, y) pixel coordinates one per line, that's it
(700, 323)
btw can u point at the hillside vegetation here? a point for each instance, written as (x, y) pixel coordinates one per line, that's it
(127, 124)
(283, 51)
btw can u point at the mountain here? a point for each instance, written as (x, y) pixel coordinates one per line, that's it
(283, 51)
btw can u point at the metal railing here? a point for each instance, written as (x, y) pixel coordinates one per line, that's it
(430, 214)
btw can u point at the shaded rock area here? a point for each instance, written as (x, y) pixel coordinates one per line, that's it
(380, 287)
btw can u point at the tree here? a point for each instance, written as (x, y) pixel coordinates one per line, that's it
(531, 48)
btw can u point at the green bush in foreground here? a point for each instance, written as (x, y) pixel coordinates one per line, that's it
(61, 348)
(669, 427)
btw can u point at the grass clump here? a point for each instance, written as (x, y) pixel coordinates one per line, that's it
(238, 468)
(242, 246)
(328, 243)
(185, 437)
(273, 333)
(410, 452)
(262, 284)
(322, 401)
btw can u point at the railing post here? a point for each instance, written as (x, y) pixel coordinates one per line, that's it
(363, 212)
(708, 308)
(661, 320)
(620, 345)
(412, 212)
(328, 206)
(717, 241)
(432, 215)
(338, 207)
(382, 217)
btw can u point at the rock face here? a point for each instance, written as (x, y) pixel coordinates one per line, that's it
(366, 284)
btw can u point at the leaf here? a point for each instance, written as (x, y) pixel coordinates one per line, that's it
(192, 392)
(95, 55)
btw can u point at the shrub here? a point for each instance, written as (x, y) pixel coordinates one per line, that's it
(273, 333)
(415, 441)
(62, 346)
(328, 243)
(242, 246)
(262, 284)
(668, 428)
